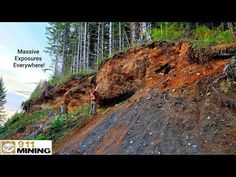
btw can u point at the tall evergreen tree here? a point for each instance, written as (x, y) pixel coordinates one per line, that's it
(2, 98)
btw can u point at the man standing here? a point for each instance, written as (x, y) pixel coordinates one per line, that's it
(93, 102)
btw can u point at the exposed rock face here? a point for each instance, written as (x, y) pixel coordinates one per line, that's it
(159, 64)
(165, 64)
(72, 93)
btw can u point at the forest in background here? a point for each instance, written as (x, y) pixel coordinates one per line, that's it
(80, 47)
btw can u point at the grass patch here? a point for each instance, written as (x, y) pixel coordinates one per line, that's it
(56, 80)
(84, 111)
(201, 37)
(18, 122)
(63, 124)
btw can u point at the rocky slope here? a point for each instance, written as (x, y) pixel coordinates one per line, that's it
(161, 98)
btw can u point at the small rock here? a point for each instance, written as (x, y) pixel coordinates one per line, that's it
(198, 74)
(138, 121)
(137, 101)
(208, 117)
(189, 144)
(131, 142)
(208, 93)
(227, 125)
(136, 107)
(144, 145)
(99, 137)
(161, 134)
(205, 141)
(154, 94)
(186, 137)
(159, 105)
(223, 120)
(158, 152)
(194, 146)
(184, 121)
(152, 143)
(173, 90)
(150, 133)
(149, 97)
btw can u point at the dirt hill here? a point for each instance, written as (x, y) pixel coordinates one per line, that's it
(160, 98)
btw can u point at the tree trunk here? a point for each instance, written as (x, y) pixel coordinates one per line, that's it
(88, 48)
(230, 26)
(120, 36)
(127, 39)
(78, 49)
(142, 31)
(102, 39)
(161, 29)
(84, 50)
(110, 38)
(98, 41)
(81, 47)
(132, 30)
(65, 45)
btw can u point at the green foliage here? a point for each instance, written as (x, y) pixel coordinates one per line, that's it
(57, 123)
(2, 129)
(19, 121)
(203, 37)
(16, 117)
(38, 137)
(35, 94)
(225, 37)
(56, 80)
(84, 111)
(169, 32)
(2, 96)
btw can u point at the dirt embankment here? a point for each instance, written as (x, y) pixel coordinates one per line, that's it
(170, 106)
(72, 93)
(161, 124)
(160, 64)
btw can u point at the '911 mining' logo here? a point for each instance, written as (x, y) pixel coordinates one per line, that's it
(25, 147)
(7, 147)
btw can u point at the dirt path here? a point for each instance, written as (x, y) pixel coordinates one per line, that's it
(78, 135)
(154, 125)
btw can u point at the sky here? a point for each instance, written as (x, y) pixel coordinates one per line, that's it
(26, 36)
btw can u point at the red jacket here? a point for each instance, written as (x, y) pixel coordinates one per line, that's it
(93, 98)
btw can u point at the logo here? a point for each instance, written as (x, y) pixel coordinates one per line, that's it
(25, 147)
(8, 147)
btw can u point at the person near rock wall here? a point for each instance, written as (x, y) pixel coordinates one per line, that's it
(93, 97)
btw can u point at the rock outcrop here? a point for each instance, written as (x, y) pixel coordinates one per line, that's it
(165, 64)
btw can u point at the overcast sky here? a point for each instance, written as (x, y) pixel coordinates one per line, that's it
(26, 36)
